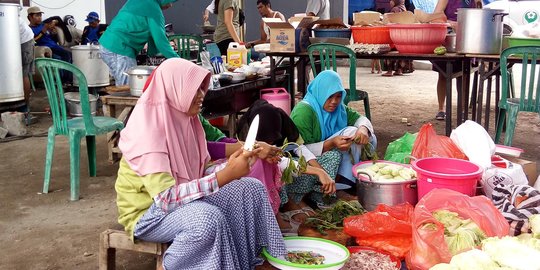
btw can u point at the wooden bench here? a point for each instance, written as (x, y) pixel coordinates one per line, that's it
(110, 240)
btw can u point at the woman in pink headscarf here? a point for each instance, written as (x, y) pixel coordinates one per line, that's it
(213, 217)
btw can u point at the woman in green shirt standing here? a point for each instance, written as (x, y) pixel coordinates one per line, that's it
(325, 124)
(138, 23)
(228, 23)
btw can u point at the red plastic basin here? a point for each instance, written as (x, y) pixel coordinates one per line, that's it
(419, 37)
(371, 35)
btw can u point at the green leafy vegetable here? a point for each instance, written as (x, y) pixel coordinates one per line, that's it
(332, 218)
(305, 257)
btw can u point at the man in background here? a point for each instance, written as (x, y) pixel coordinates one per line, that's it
(43, 36)
(93, 31)
(27, 57)
(319, 8)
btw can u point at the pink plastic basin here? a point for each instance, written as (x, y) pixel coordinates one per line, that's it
(418, 37)
(455, 174)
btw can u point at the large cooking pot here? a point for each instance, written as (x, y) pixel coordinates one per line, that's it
(137, 78)
(88, 59)
(479, 30)
(11, 77)
(372, 193)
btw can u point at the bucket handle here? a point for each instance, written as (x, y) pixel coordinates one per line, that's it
(502, 14)
(274, 90)
(364, 173)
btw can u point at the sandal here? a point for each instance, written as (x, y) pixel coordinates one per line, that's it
(292, 231)
(288, 216)
(440, 116)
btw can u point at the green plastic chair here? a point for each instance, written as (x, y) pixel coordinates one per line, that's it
(183, 45)
(76, 128)
(326, 52)
(529, 95)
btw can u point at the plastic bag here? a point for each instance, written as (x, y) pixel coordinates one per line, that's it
(386, 228)
(429, 144)
(400, 149)
(502, 172)
(475, 142)
(428, 246)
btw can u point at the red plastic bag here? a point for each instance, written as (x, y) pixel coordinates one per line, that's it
(428, 246)
(429, 144)
(387, 228)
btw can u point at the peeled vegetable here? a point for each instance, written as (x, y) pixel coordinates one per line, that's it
(391, 172)
(459, 234)
(440, 50)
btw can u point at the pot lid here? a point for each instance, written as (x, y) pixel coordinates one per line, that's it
(141, 70)
(85, 47)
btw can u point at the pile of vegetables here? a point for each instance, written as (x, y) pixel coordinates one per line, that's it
(391, 172)
(460, 234)
(332, 218)
(521, 253)
(305, 257)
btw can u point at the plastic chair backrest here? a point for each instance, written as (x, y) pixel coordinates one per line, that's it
(529, 96)
(183, 45)
(50, 72)
(327, 55)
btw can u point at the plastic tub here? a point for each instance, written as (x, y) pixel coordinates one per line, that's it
(455, 174)
(337, 33)
(279, 97)
(372, 35)
(515, 41)
(418, 38)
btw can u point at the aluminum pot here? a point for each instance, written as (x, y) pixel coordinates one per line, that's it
(371, 193)
(88, 59)
(137, 78)
(450, 43)
(479, 30)
(73, 101)
(11, 77)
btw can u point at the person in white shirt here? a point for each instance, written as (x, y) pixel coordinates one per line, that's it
(265, 9)
(319, 8)
(209, 9)
(27, 56)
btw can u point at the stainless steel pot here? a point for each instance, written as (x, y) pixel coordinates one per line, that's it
(11, 77)
(450, 42)
(137, 78)
(88, 59)
(479, 30)
(73, 101)
(370, 193)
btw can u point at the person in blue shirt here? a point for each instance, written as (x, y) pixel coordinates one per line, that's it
(93, 31)
(43, 36)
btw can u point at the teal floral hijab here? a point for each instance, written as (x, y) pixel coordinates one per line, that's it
(319, 90)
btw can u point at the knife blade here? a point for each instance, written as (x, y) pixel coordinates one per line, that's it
(252, 134)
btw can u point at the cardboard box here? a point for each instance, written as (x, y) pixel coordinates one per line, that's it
(366, 17)
(291, 36)
(529, 167)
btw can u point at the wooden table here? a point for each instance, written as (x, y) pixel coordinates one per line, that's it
(300, 60)
(228, 100)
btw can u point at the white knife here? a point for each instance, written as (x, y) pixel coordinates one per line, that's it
(252, 134)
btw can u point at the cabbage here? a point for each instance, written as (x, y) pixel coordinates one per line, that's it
(443, 266)
(459, 234)
(534, 222)
(510, 252)
(473, 259)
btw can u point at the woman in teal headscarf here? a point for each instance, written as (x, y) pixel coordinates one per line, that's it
(326, 124)
(138, 23)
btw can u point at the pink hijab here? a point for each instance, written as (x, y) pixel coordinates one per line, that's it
(160, 136)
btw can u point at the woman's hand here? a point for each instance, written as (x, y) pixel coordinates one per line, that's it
(342, 143)
(328, 185)
(238, 166)
(361, 136)
(268, 152)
